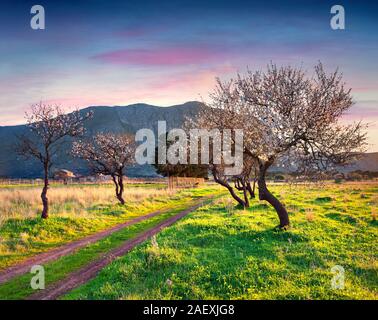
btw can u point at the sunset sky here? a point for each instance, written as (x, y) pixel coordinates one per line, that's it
(169, 52)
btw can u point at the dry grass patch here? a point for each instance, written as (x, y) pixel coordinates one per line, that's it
(70, 200)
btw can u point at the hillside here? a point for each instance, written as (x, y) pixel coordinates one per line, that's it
(116, 119)
(369, 162)
(126, 119)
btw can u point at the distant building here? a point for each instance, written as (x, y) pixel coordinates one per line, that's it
(63, 174)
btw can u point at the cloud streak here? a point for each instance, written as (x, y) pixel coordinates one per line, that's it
(163, 56)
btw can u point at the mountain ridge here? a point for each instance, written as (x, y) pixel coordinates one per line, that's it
(118, 119)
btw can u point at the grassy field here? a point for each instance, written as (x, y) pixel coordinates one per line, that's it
(76, 211)
(220, 252)
(19, 287)
(217, 252)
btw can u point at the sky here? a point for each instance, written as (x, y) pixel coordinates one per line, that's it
(169, 52)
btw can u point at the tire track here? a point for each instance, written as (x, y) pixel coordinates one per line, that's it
(88, 272)
(54, 254)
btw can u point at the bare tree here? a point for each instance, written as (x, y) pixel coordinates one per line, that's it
(49, 127)
(108, 154)
(287, 116)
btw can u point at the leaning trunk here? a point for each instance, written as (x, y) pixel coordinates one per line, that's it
(265, 194)
(230, 189)
(236, 197)
(45, 200)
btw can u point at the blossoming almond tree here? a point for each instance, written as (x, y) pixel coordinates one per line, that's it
(108, 154)
(49, 127)
(287, 115)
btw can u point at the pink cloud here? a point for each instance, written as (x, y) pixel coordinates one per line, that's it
(199, 81)
(160, 56)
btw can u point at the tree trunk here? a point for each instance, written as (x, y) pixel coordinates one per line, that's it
(236, 197)
(265, 194)
(230, 189)
(244, 186)
(118, 188)
(120, 192)
(250, 190)
(45, 200)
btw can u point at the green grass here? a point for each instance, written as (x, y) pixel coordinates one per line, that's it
(21, 237)
(222, 253)
(19, 287)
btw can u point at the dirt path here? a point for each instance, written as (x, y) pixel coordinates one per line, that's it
(54, 254)
(88, 272)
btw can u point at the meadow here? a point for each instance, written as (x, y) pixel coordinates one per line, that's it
(76, 211)
(222, 252)
(219, 251)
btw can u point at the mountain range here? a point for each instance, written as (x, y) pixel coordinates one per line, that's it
(118, 119)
